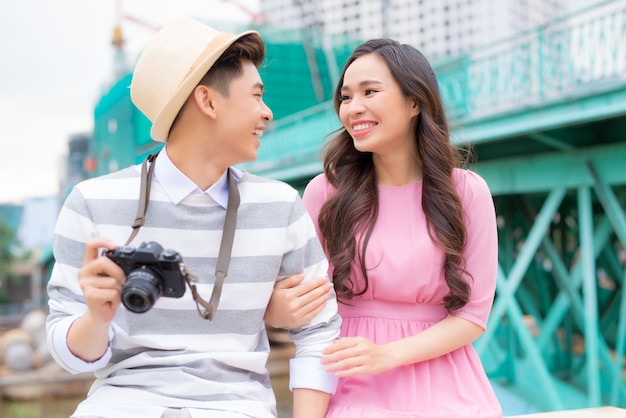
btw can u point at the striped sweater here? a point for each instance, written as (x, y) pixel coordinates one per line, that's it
(169, 356)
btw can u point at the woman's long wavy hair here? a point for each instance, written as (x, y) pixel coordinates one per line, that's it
(353, 209)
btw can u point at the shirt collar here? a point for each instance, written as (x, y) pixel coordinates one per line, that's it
(178, 186)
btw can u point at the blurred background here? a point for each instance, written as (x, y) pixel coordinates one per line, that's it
(537, 87)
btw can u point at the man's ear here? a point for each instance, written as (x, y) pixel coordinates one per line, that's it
(204, 98)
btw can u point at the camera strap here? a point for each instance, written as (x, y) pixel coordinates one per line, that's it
(226, 245)
(223, 258)
(144, 195)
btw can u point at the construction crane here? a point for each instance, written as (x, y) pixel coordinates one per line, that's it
(257, 18)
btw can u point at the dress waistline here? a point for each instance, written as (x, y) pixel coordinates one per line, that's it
(393, 310)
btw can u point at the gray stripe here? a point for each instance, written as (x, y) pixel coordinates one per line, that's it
(263, 215)
(113, 211)
(295, 261)
(139, 378)
(297, 211)
(64, 294)
(239, 271)
(162, 214)
(206, 368)
(68, 251)
(75, 202)
(118, 355)
(209, 397)
(299, 334)
(188, 322)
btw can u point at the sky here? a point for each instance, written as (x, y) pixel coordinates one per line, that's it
(56, 58)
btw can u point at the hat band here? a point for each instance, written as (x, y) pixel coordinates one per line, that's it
(217, 42)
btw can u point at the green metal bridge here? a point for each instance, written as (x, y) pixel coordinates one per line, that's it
(546, 113)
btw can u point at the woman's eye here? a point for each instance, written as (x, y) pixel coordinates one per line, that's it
(344, 98)
(369, 91)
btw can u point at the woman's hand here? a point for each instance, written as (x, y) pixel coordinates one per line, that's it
(294, 303)
(351, 356)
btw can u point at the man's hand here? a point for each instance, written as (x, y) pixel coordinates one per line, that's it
(101, 281)
(294, 303)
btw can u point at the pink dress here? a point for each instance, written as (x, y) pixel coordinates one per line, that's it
(405, 296)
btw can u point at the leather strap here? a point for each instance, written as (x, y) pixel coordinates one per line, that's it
(144, 195)
(226, 245)
(223, 259)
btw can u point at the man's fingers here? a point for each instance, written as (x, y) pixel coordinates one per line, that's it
(92, 250)
(318, 294)
(290, 281)
(101, 267)
(100, 296)
(315, 309)
(309, 288)
(316, 299)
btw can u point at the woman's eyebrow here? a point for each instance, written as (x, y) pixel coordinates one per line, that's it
(361, 84)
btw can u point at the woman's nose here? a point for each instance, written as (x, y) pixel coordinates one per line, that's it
(355, 106)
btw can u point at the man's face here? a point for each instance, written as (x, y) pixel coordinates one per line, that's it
(241, 117)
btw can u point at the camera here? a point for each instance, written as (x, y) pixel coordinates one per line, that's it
(151, 272)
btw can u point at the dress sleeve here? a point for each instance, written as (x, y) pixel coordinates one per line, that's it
(481, 249)
(315, 195)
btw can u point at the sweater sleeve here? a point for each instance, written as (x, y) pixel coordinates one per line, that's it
(312, 338)
(73, 229)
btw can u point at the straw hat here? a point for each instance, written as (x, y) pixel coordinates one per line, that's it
(171, 66)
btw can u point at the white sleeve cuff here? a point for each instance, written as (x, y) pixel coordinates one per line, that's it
(309, 373)
(59, 341)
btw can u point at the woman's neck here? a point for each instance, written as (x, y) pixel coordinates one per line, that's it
(397, 171)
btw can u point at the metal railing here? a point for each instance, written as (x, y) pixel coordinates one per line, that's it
(578, 55)
(570, 57)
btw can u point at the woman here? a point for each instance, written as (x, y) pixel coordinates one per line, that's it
(412, 243)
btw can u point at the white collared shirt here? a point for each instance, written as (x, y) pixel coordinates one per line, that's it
(177, 185)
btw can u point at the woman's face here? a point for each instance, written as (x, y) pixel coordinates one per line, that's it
(373, 110)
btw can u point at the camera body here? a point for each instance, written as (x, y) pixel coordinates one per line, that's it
(151, 272)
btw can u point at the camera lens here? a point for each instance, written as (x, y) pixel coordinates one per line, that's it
(141, 290)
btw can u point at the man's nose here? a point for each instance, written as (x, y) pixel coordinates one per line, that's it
(266, 112)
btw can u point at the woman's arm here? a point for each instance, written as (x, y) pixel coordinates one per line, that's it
(309, 403)
(357, 355)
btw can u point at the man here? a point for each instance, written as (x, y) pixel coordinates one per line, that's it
(182, 356)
